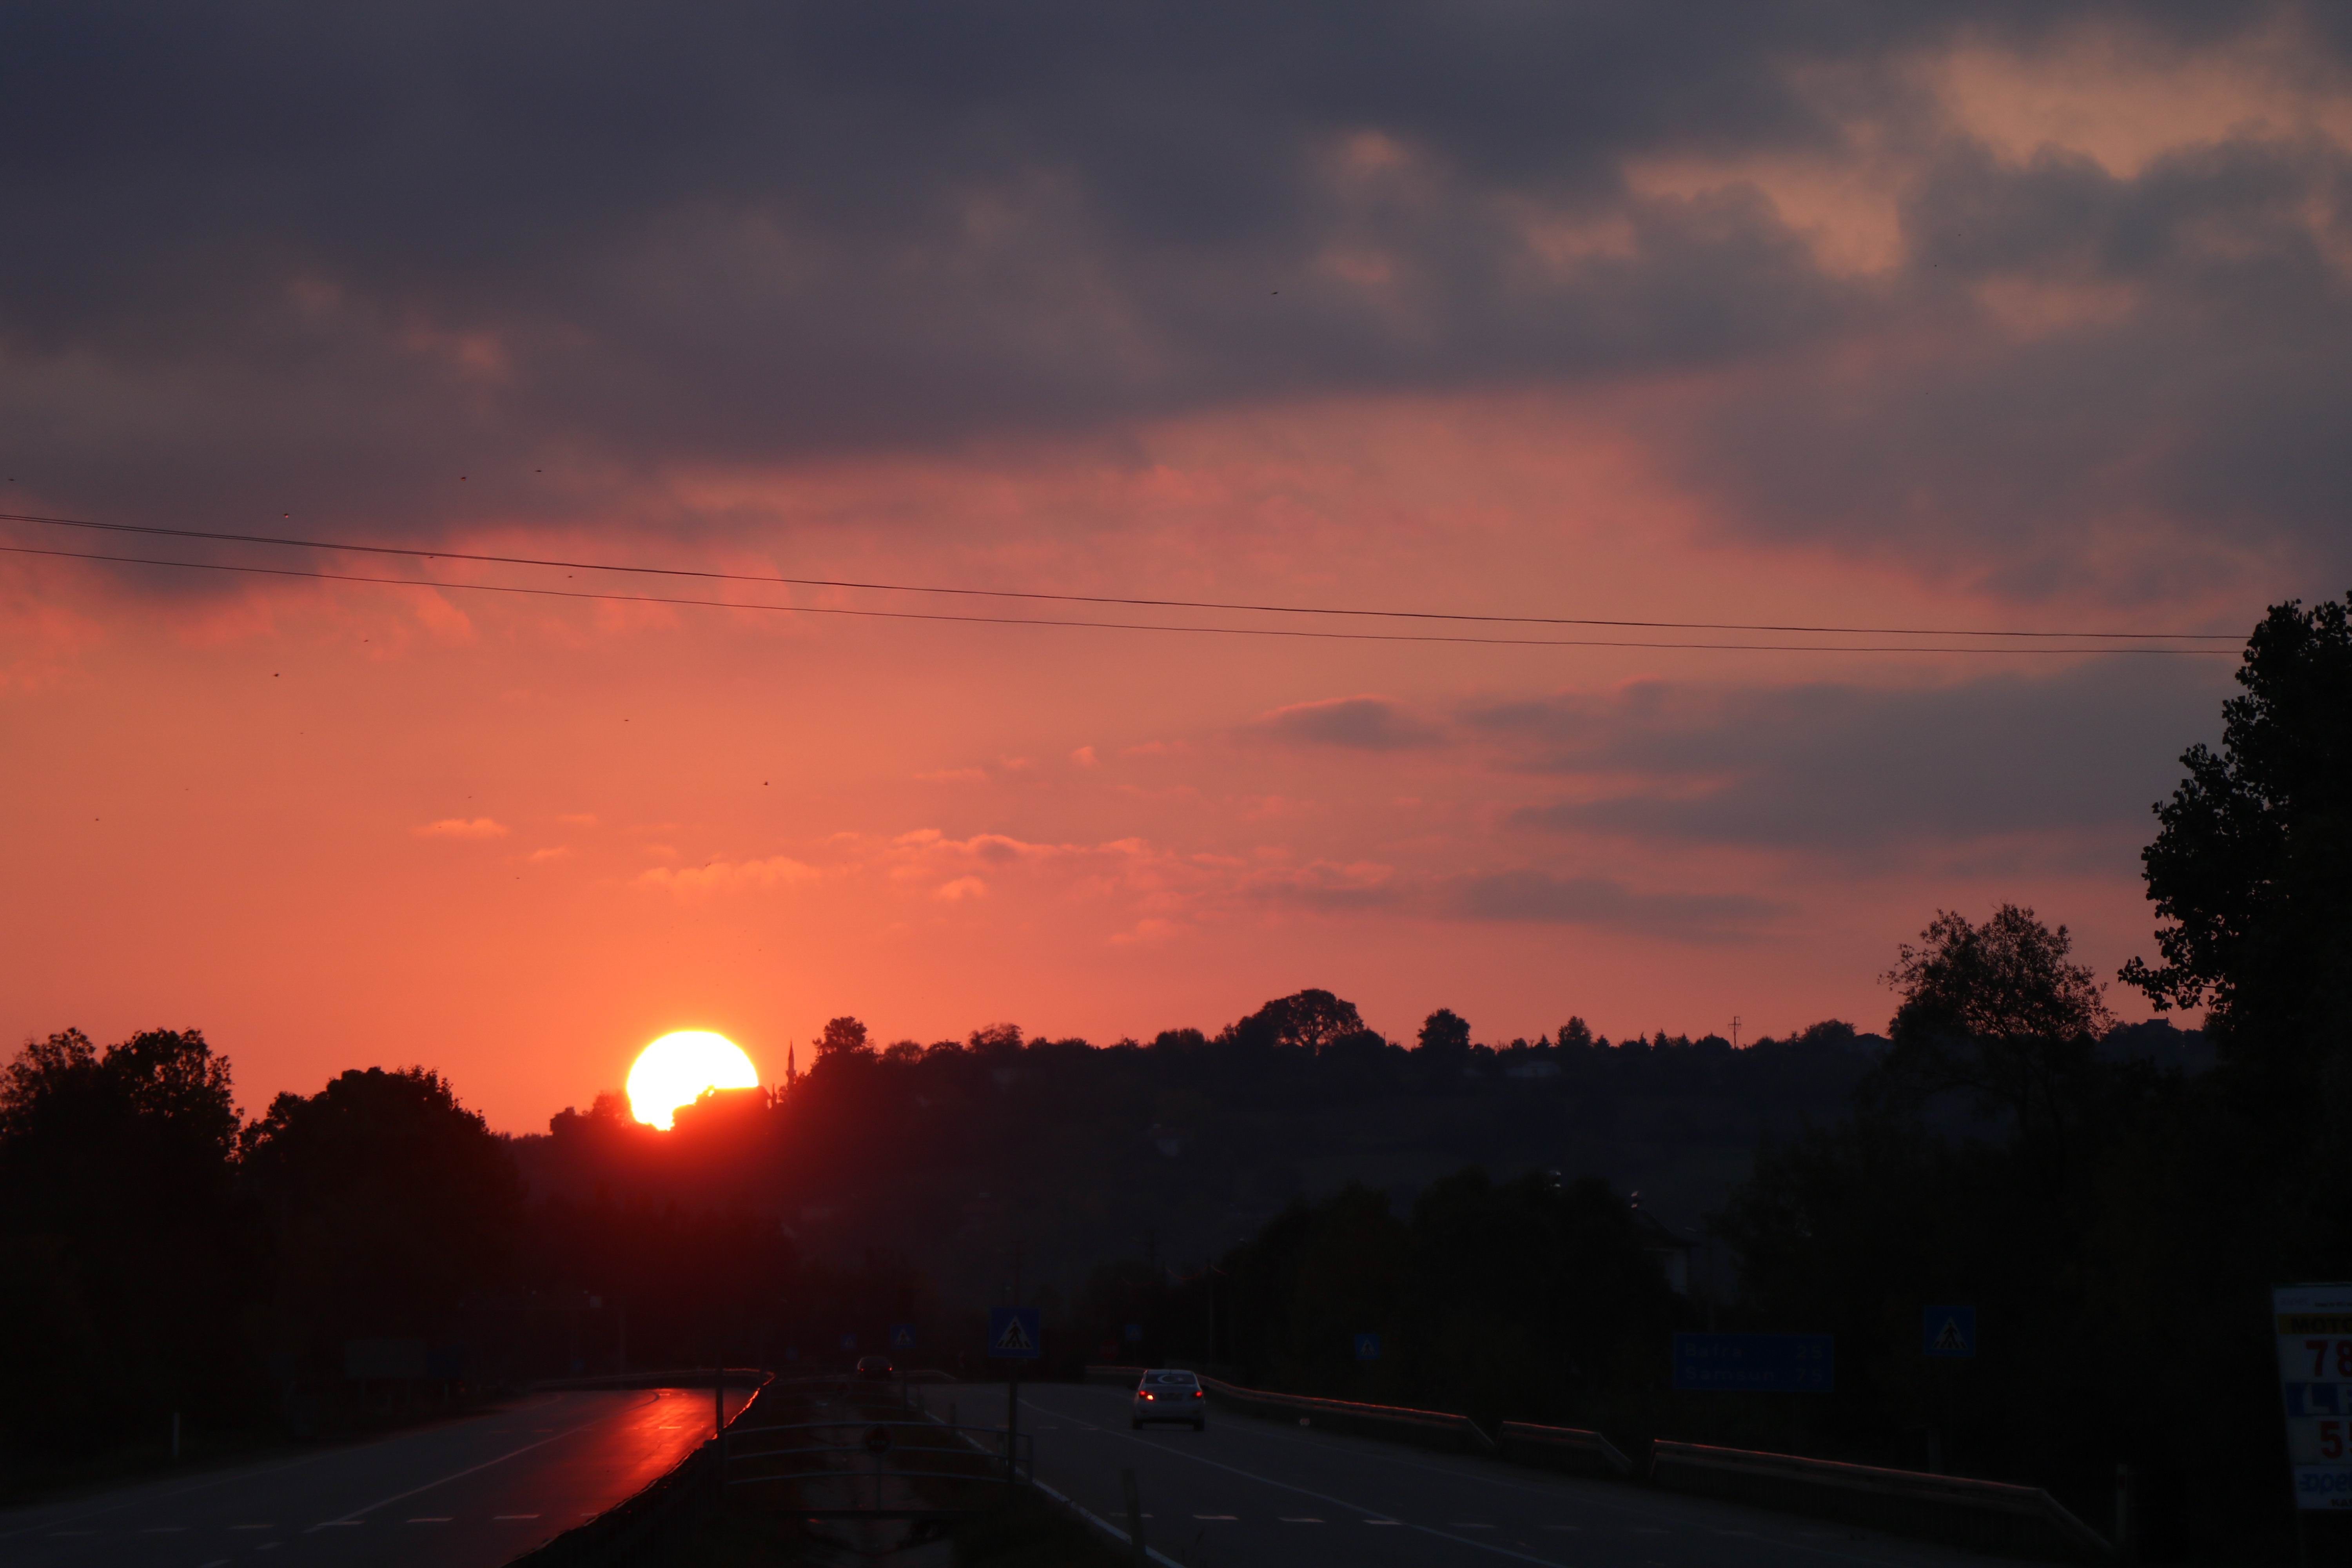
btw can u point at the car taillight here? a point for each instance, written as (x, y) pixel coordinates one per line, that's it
(1197, 1393)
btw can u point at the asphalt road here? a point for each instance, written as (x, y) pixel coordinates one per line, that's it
(462, 1494)
(1259, 1492)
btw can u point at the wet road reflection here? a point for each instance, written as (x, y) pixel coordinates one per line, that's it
(468, 1494)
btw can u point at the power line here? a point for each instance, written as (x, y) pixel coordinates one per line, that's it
(1090, 625)
(418, 553)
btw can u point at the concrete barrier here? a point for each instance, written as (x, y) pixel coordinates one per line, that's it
(1562, 1447)
(1993, 1515)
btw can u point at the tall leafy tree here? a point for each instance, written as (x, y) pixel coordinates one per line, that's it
(2000, 1013)
(122, 1265)
(2252, 862)
(391, 1202)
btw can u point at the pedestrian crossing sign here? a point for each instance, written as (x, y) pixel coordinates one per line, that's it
(1949, 1331)
(902, 1336)
(1012, 1334)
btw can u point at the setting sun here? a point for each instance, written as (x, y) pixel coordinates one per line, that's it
(675, 1070)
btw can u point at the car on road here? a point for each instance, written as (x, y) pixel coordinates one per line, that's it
(875, 1368)
(1164, 1394)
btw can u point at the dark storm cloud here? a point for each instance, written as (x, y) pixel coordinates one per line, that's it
(1358, 723)
(1851, 769)
(1542, 895)
(340, 256)
(2197, 368)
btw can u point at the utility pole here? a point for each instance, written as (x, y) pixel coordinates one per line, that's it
(1734, 1031)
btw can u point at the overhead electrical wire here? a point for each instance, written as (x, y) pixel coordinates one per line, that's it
(1294, 632)
(420, 553)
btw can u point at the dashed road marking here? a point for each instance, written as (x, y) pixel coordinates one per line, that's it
(1223, 1516)
(1301, 1521)
(431, 1519)
(507, 1516)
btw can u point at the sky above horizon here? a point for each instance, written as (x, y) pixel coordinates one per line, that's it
(1916, 317)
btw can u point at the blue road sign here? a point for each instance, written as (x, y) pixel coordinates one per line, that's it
(1134, 1333)
(902, 1336)
(849, 1341)
(1368, 1347)
(1949, 1331)
(1012, 1334)
(1756, 1363)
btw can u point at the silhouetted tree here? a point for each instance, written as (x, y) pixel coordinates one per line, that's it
(1309, 1020)
(842, 1036)
(2252, 864)
(123, 1265)
(1999, 1013)
(1445, 1034)
(391, 1205)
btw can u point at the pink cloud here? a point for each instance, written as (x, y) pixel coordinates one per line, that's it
(462, 828)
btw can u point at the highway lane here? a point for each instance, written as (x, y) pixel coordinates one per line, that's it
(1249, 1492)
(471, 1493)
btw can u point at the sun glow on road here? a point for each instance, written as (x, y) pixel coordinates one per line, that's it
(675, 1070)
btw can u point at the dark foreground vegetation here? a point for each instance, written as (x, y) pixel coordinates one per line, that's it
(2116, 1202)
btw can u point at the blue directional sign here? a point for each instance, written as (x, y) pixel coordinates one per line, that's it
(1756, 1363)
(902, 1336)
(1368, 1347)
(1949, 1332)
(1134, 1333)
(1014, 1334)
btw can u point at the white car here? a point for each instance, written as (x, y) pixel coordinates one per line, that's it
(1166, 1395)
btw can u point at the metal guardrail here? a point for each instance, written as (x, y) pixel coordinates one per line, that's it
(1389, 1420)
(1749, 1475)
(1580, 1445)
(1997, 1513)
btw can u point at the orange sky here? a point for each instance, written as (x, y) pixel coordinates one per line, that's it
(1943, 321)
(342, 826)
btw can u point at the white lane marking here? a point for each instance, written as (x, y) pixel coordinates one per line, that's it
(431, 1519)
(228, 1477)
(337, 1524)
(1151, 1553)
(1355, 1508)
(497, 1516)
(1369, 1451)
(1469, 1524)
(1286, 1520)
(1223, 1516)
(1383, 1522)
(354, 1517)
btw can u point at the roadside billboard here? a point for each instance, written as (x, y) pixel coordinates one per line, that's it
(2314, 1325)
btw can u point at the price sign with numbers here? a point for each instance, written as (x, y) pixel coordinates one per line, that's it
(2313, 1323)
